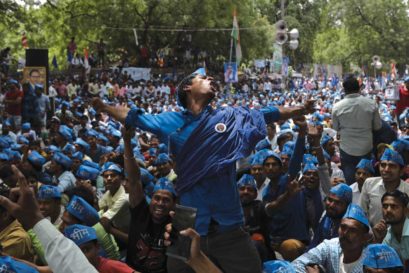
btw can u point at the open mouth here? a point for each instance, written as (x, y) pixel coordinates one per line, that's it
(214, 86)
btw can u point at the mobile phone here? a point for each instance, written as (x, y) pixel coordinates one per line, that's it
(185, 217)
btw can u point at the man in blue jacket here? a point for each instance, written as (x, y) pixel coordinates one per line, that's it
(206, 144)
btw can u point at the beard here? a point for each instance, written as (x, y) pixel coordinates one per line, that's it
(393, 221)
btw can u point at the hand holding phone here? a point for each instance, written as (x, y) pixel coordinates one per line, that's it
(185, 217)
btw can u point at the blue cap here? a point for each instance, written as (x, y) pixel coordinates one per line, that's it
(285, 126)
(120, 149)
(15, 146)
(247, 180)
(309, 167)
(65, 103)
(91, 133)
(137, 154)
(380, 256)
(26, 126)
(39, 86)
(44, 178)
(80, 234)
(390, 155)
(278, 266)
(116, 133)
(163, 148)
(91, 164)
(52, 148)
(269, 154)
(4, 143)
(263, 144)
(309, 159)
(355, 212)
(83, 144)
(164, 184)
(200, 71)
(366, 164)
(69, 148)
(13, 155)
(13, 81)
(7, 122)
(114, 124)
(287, 150)
(101, 136)
(79, 208)
(77, 155)
(62, 159)
(343, 192)
(400, 145)
(162, 159)
(146, 176)
(66, 132)
(406, 79)
(23, 140)
(325, 139)
(36, 159)
(87, 173)
(4, 157)
(92, 111)
(47, 192)
(152, 151)
(9, 265)
(110, 166)
(257, 159)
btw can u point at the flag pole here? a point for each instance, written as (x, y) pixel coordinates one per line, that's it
(231, 37)
(231, 49)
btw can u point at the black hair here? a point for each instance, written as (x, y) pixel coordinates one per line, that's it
(4, 191)
(350, 84)
(180, 90)
(397, 194)
(83, 192)
(34, 70)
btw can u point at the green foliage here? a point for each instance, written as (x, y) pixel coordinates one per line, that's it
(331, 31)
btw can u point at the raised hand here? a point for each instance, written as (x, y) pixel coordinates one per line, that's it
(22, 203)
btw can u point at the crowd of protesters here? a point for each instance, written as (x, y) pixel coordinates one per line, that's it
(310, 178)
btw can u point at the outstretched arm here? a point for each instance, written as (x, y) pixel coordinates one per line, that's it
(118, 113)
(136, 194)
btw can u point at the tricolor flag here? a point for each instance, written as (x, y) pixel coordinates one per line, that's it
(24, 41)
(235, 35)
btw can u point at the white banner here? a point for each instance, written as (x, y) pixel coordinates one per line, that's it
(259, 63)
(138, 73)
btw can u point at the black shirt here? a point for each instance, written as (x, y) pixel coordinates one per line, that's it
(146, 249)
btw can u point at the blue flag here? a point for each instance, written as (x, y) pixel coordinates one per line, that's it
(54, 62)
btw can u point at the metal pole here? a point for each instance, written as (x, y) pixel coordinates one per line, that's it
(282, 9)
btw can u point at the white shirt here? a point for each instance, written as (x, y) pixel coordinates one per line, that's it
(356, 194)
(347, 268)
(371, 195)
(273, 142)
(61, 254)
(261, 189)
(355, 117)
(52, 93)
(117, 208)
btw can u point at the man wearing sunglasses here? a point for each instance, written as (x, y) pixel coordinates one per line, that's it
(206, 144)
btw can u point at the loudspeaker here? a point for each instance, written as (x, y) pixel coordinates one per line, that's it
(37, 57)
